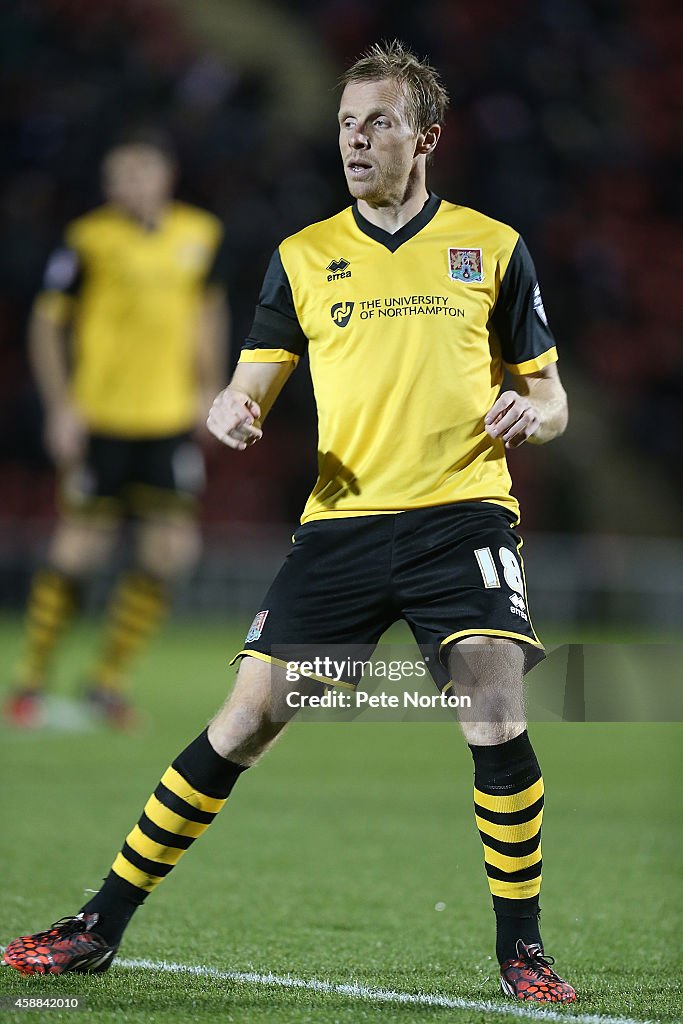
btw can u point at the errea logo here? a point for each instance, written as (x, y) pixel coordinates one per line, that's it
(338, 269)
(517, 606)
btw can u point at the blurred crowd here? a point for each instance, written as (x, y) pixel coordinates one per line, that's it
(565, 121)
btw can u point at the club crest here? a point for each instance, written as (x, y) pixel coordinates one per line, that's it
(466, 265)
(341, 313)
(256, 627)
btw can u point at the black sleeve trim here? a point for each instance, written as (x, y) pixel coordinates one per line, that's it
(275, 321)
(518, 317)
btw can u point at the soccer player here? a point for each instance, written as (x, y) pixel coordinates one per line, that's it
(127, 343)
(410, 307)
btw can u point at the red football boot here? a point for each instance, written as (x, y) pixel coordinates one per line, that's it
(530, 976)
(24, 709)
(69, 945)
(111, 708)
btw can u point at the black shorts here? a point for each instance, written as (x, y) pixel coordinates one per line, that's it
(119, 476)
(449, 571)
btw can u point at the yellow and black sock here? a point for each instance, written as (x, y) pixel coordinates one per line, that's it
(136, 608)
(508, 799)
(190, 795)
(52, 601)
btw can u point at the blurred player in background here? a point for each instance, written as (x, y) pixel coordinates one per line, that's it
(127, 344)
(410, 307)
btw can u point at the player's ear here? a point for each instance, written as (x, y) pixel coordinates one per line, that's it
(427, 140)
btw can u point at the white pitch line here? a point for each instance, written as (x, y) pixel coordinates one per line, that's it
(380, 995)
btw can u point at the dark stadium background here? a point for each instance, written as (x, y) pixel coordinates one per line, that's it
(565, 122)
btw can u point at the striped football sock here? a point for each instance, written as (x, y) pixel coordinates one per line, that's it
(190, 795)
(136, 608)
(508, 798)
(52, 601)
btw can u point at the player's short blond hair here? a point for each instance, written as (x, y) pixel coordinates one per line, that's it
(426, 96)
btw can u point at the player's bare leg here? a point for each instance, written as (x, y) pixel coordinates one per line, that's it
(490, 671)
(253, 715)
(167, 547)
(78, 547)
(508, 795)
(190, 794)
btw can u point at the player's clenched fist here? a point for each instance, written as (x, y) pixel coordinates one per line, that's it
(233, 419)
(513, 418)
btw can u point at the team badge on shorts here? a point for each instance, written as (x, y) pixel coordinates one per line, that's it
(256, 627)
(466, 265)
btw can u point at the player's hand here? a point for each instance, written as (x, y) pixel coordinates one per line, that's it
(513, 418)
(233, 419)
(201, 430)
(65, 434)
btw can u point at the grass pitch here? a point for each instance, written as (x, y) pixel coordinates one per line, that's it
(331, 857)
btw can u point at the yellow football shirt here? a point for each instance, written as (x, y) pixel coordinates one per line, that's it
(132, 297)
(407, 336)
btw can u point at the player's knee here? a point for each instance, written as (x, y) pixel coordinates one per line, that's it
(243, 734)
(168, 550)
(80, 548)
(246, 725)
(238, 736)
(489, 670)
(490, 734)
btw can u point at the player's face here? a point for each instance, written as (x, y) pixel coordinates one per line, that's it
(138, 178)
(376, 140)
